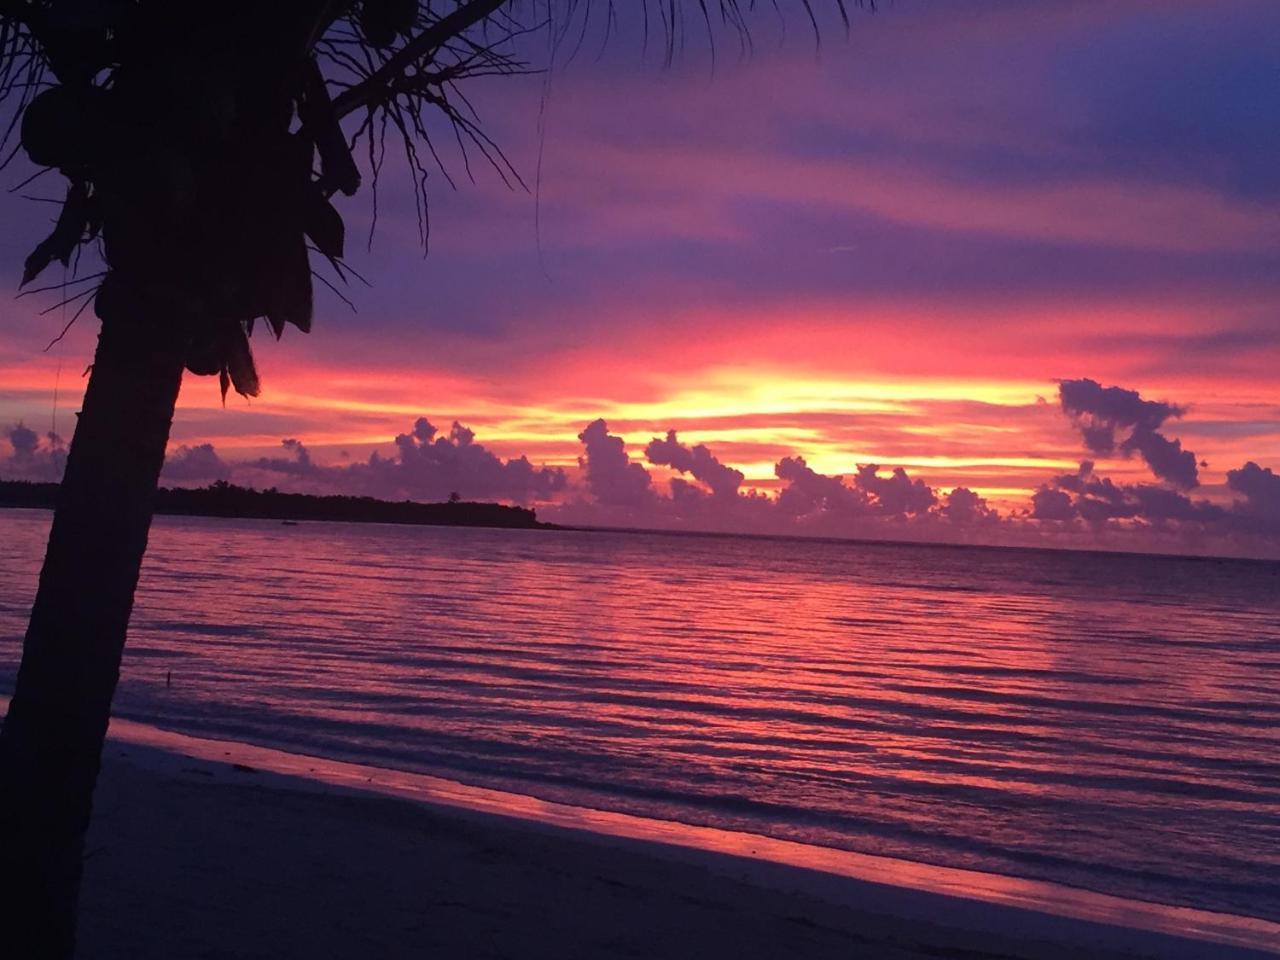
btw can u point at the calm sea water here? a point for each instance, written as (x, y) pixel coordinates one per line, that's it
(1103, 721)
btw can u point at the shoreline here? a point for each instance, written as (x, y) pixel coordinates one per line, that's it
(948, 907)
(221, 501)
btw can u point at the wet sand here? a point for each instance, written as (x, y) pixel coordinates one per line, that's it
(207, 849)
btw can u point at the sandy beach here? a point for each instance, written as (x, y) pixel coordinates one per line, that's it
(208, 849)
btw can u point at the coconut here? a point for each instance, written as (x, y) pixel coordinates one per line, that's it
(61, 127)
(383, 20)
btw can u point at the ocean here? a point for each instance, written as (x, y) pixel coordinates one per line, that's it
(1099, 720)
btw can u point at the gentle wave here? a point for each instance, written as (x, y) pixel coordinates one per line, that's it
(1104, 721)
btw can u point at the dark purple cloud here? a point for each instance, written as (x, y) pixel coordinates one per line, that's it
(1102, 413)
(699, 461)
(869, 495)
(1080, 508)
(965, 508)
(808, 501)
(1260, 488)
(1074, 507)
(1098, 501)
(618, 488)
(297, 462)
(897, 494)
(33, 457)
(198, 464)
(611, 476)
(808, 491)
(613, 489)
(431, 466)
(24, 441)
(426, 466)
(1048, 503)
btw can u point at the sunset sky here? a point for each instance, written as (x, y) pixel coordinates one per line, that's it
(893, 251)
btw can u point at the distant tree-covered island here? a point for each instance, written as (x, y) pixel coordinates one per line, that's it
(222, 499)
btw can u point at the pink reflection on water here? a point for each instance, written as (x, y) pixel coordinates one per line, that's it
(1107, 722)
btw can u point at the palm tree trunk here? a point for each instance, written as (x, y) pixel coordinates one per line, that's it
(51, 743)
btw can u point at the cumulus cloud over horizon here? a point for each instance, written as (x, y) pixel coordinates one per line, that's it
(697, 461)
(611, 476)
(1100, 413)
(433, 465)
(618, 490)
(1260, 488)
(1100, 504)
(870, 502)
(673, 484)
(200, 463)
(32, 456)
(1250, 523)
(297, 461)
(1098, 500)
(427, 465)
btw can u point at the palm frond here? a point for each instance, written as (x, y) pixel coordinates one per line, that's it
(280, 150)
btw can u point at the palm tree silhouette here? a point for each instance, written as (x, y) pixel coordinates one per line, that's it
(201, 144)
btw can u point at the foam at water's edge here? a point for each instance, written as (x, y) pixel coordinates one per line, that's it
(965, 890)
